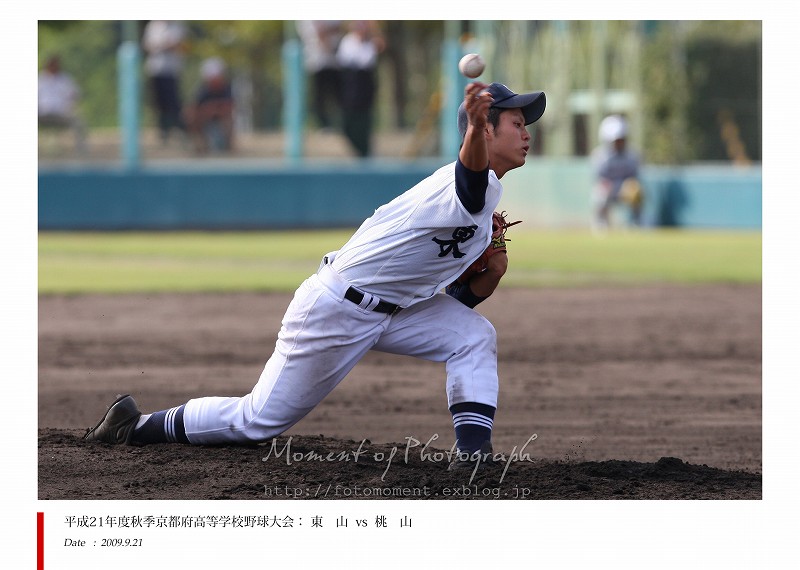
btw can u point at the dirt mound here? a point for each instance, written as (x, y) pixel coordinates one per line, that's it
(302, 467)
(609, 380)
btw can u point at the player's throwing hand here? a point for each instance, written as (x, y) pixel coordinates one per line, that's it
(477, 101)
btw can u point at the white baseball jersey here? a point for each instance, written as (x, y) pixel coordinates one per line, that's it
(419, 242)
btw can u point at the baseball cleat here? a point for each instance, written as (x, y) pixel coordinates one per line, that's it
(118, 423)
(482, 458)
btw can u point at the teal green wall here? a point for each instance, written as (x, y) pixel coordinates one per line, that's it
(546, 193)
(307, 197)
(557, 193)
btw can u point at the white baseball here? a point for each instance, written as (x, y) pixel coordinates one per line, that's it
(471, 65)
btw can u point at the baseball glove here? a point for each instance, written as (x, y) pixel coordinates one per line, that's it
(498, 244)
(631, 192)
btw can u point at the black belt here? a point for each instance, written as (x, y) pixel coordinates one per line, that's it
(357, 296)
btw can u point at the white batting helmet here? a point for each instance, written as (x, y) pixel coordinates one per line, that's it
(612, 128)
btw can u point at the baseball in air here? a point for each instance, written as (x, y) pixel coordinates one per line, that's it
(471, 65)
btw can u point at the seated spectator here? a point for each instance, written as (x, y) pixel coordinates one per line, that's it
(210, 116)
(58, 99)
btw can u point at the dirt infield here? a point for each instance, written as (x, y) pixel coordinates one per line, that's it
(635, 392)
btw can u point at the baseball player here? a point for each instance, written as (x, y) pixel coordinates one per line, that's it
(383, 290)
(616, 171)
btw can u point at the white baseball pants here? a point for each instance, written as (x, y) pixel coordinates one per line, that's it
(323, 336)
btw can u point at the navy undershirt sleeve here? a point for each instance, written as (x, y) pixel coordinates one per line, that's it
(471, 187)
(463, 293)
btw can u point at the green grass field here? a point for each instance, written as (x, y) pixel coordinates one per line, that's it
(72, 263)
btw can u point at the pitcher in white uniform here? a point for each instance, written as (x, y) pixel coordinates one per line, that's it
(382, 290)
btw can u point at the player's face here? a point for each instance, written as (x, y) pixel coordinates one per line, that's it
(509, 143)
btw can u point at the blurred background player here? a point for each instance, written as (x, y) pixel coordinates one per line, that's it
(58, 101)
(358, 58)
(210, 117)
(616, 174)
(320, 41)
(164, 43)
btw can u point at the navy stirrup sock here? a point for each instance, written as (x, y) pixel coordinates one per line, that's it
(165, 426)
(473, 425)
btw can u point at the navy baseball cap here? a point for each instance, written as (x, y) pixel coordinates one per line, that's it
(532, 105)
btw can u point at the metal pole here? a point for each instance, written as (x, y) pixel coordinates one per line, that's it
(294, 100)
(129, 86)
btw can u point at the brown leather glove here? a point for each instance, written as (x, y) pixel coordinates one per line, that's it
(498, 244)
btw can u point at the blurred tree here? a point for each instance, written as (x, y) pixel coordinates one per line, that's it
(396, 55)
(57, 25)
(699, 78)
(409, 72)
(665, 97)
(724, 75)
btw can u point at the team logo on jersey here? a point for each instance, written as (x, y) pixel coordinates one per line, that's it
(460, 235)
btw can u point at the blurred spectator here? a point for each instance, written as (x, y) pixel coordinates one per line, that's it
(616, 173)
(210, 116)
(58, 99)
(320, 41)
(358, 58)
(164, 42)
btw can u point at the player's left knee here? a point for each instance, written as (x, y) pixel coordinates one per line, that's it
(483, 335)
